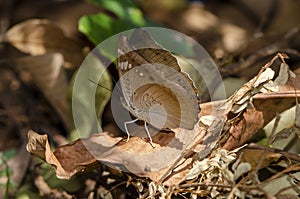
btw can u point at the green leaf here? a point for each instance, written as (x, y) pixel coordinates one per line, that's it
(120, 8)
(101, 26)
(97, 27)
(89, 98)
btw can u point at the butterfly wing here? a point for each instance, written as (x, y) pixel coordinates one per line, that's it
(181, 107)
(127, 59)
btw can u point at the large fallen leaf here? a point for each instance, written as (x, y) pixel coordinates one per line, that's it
(142, 160)
(47, 73)
(41, 36)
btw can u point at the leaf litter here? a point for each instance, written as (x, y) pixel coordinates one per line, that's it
(262, 102)
(274, 100)
(216, 146)
(188, 172)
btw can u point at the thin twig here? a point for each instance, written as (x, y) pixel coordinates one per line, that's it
(292, 168)
(285, 189)
(289, 155)
(268, 144)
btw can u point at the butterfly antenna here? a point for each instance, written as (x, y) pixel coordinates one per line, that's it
(100, 57)
(113, 79)
(100, 85)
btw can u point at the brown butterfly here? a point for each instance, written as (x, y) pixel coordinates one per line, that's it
(155, 89)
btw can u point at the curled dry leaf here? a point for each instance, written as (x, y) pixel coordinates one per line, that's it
(242, 99)
(268, 104)
(50, 77)
(41, 36)
(255, 110)
(249, 118)
(283, 75)
(142, 160)
(65, 166)
(248, 125)
(273, 103)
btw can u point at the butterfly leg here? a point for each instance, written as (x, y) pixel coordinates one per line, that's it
(126, 129)
(148, 133)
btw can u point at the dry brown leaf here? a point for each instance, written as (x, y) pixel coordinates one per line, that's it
(267, 105)
(273, 103)
(50, 77)
(247, 126)
(253, 111)
(142, 160)
(39, 145)
(41, 36)
(66, 165)
(242, 98)
(249, 118)
(253, 156)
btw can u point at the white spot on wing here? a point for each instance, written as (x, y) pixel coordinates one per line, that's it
(124, 65)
